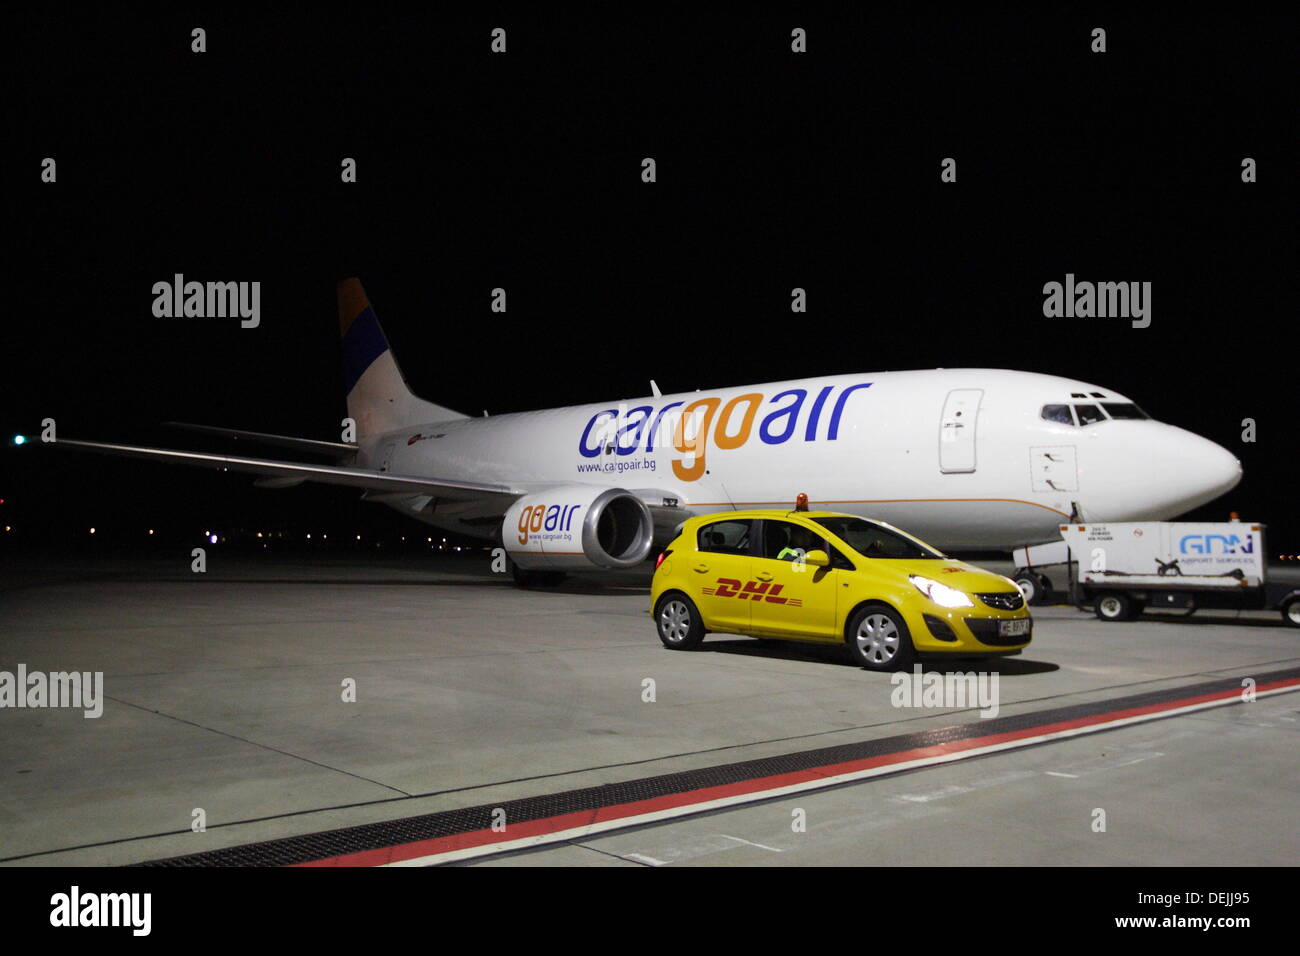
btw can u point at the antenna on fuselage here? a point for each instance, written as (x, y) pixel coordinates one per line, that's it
(655, 389)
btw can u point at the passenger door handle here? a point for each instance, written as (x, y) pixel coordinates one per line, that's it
(701, 567)
(764, 575)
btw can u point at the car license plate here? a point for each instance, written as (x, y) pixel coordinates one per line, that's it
(1013, 628)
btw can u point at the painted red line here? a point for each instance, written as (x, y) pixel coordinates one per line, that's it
(568, 821)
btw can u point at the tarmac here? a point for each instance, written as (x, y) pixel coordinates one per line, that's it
(224, 702)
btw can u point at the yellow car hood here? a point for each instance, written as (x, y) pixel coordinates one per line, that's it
(955, 574)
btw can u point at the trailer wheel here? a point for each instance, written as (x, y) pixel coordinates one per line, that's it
(1112, 606)
(1291, 612)
(1033, 586)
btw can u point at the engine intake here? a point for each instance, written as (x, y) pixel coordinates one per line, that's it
(577, 526)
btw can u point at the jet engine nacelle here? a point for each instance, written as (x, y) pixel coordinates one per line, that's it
(576, 526)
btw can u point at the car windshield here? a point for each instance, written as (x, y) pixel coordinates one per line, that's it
(875, 541)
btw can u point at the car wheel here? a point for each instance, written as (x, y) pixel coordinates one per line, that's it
(1291, 612)
(1113, 607)
(678, 622)
(878, 639)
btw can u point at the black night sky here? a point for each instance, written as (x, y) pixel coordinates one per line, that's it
(522, 170)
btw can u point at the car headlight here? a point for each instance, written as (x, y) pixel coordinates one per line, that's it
(940, 594)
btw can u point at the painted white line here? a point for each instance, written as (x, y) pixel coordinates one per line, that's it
(1053, 773)
(821, 783)
(642, 858)
(761, 846)
(1130, 761)
(949, 791)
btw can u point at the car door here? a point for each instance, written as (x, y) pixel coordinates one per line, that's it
(790, 598)
(719, 569)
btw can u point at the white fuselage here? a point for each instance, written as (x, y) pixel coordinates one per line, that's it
(962, 458)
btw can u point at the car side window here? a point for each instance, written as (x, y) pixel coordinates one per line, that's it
(838, 561)
(786, 541)
(724, 537)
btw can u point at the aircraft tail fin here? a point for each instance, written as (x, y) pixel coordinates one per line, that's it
(379, 399)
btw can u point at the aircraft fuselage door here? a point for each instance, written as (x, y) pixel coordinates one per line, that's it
(386, 456)
(957, 430)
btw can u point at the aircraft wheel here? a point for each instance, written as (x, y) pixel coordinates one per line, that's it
(529, 579)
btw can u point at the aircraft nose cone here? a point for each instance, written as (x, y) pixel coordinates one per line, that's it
(1222, 468)
(1206, 470)
(1160, 472)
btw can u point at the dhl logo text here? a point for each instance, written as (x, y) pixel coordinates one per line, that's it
(752, 590)
(691, 428)
(537, 518)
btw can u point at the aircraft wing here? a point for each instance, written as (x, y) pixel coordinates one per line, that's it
(337, 449)
(288, 472)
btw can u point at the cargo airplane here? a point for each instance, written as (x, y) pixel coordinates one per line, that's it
(967, 459)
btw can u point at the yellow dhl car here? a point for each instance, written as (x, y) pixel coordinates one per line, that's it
(827, 577)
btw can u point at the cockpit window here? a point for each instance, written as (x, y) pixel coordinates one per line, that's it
(1058, 413)
(1123, 410)
(1089, 414)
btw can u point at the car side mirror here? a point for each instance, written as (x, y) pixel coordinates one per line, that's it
(817, 558)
